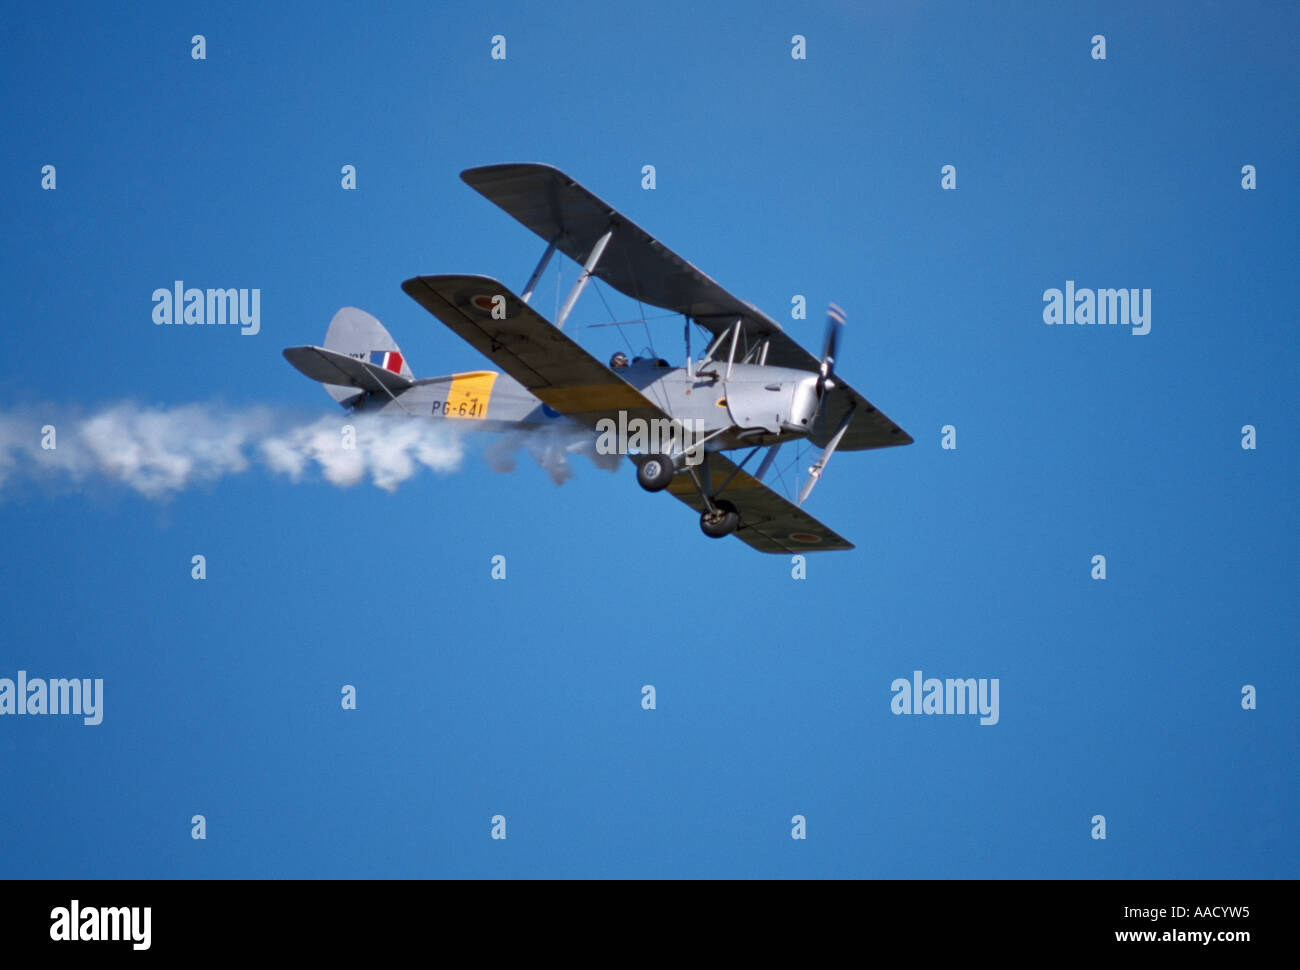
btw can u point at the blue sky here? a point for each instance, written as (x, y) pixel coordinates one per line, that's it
(522, 697)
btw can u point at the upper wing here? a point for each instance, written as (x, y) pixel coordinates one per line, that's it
(561, 211)
(768, 522)
(530, 349)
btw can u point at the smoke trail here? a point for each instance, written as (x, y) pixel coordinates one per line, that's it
(160, 451)
(550, 447)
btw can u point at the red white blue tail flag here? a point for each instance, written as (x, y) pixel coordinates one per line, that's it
(387, 359)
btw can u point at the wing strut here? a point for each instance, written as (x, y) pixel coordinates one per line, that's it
(735, 336)
(736, 471)
(815, 472)
(537, 273)
(583, 277)
(766, 463)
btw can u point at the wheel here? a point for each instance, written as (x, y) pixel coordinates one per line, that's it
(654, 472)
(720, 522)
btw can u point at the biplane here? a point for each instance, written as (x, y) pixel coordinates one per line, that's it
(752, 387)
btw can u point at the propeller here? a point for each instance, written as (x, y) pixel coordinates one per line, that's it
(825, 382)
(834, 327)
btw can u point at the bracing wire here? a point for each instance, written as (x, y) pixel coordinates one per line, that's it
(640, 307)
(601, 292)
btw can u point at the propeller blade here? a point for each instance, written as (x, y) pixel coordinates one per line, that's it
(834, 328)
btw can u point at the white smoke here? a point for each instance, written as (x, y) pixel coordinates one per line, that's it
(387, 450)
(160, 451)
(550, 447)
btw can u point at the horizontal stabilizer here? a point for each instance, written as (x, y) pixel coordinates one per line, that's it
(330, 367)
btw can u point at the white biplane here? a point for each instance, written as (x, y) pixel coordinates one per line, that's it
(753, 387)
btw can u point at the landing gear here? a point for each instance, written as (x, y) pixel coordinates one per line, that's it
(654, 472)
(720, 522)
(720, 518)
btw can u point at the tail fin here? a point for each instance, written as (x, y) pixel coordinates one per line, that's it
(358, 353)
(359, 335)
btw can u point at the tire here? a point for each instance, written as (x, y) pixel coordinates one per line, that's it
(654, 472)
(721, 523)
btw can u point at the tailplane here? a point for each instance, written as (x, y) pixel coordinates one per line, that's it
(359, 356)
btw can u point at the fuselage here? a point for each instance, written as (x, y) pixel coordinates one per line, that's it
(755, 405)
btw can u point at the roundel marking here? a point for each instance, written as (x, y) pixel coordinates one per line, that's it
(805, 538)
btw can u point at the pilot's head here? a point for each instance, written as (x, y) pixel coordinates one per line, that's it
(618, 361)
